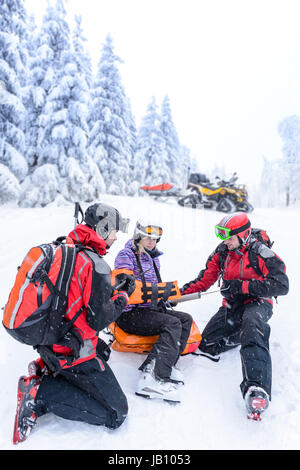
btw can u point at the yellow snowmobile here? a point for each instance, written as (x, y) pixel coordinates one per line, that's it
(223, 196)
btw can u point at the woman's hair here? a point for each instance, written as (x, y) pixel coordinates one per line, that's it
(139, 246)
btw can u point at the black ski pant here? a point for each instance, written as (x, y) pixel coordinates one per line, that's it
(87, 392)
(173, 328)
(246, 326)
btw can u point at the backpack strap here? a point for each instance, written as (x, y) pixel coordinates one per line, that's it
(155, 291)
(145, 290)
(156, 271)
(253, 257)
(223, 252)
(168, 288)
(137, 256)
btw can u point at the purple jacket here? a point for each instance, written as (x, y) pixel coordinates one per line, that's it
(126, 259)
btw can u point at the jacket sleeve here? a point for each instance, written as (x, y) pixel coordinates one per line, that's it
(275, 281)
(101, 307)
(207, 277)
(124, 260)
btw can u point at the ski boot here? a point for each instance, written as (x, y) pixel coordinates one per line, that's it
(25, 416)
(177, 376)
(150, 386)
(257, 401)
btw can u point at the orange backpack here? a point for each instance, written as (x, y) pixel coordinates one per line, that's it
(125, 342)
(34, 313)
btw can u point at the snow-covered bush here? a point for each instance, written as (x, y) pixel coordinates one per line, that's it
(9, 185)
(41, 187)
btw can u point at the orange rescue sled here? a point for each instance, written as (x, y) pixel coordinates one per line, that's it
(125, 342)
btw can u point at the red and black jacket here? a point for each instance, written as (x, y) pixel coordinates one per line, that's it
(264, 278)
(91, 290)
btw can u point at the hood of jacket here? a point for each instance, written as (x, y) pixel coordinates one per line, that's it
(88, 237)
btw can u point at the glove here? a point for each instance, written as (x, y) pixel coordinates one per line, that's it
(233, 287)
(182, 289)
(103, 349)
(127, 281)
(172, 304)
(72, 340)
(121, 298)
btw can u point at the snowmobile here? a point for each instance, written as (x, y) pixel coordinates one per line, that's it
(223, 196)
(162, 192)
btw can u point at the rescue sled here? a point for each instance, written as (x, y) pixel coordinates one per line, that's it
(148, 293)
(125, 342)
(162, 191)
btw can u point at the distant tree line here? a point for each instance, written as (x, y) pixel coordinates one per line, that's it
(280, 179)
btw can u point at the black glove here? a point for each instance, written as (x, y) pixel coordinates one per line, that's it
(233, 287)
(103, 350)
(172, 304)
(127, 282)
(72, 340)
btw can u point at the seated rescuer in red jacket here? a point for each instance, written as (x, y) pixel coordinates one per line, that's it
(72, 378)
(247, 304)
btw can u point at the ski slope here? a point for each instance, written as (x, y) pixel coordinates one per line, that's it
(212, 413)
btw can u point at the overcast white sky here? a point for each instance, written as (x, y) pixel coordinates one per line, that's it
(230, 67)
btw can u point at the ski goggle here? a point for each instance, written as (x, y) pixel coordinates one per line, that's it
(122, 224)
(153, 230)
(222, 232)
(150, 230)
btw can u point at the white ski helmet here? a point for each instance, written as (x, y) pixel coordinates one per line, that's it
(103, 219)
(145, 228)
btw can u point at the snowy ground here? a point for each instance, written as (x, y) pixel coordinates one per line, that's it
(212, 413)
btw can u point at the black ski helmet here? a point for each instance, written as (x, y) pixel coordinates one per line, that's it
(103, 219)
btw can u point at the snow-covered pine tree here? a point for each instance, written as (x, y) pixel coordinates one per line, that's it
(289, 131)
(219, 171)
(169, 132)
(62, 122)
(188, 165)
(272, 186)
(150, 160)
(42, 76)
(133, 186)
(37, 87)
(12, 69)
(53, 135)
(81, 54)
(111, 135)
(91, 185)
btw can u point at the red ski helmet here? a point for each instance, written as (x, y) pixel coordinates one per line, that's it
(234, 224)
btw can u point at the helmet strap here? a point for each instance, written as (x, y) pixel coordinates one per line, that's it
(240, 229)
